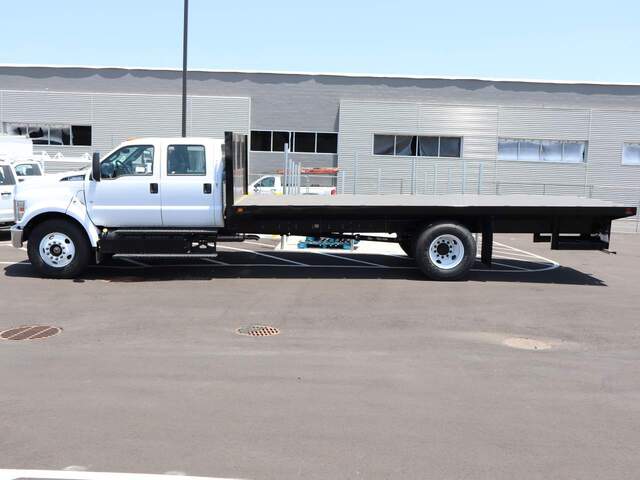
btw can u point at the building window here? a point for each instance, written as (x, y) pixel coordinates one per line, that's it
(304, 142)
(299, 142)
(52, 134)
(260, 141)
(631, 154)
(280, 139)
(327, 143)
(526, 150)
(412, 145)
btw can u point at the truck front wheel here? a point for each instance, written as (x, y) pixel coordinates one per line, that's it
(445, 251)
(58, 249)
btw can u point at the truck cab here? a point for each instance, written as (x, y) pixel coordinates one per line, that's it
(145, 185)
(7, 193)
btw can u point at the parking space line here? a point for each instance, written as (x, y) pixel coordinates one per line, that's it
(10, 474)
(262, 244)
(262, 254)
(350, 259)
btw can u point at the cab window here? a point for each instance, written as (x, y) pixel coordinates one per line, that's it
(28, 170)
(267, 182)
(134, 160)
(6, 177)
(186, 160)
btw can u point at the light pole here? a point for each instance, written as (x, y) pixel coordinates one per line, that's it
(185, 30)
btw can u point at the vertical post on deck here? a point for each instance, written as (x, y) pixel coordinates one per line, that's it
(355, 172)
(286, 165)
(435, 178)
(464, 175)
(413, 177)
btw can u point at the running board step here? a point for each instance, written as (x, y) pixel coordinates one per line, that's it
(165, 255)
(163, 231)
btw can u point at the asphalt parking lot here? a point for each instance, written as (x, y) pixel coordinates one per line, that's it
(528, 371)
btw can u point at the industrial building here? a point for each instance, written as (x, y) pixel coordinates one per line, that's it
(385, 134)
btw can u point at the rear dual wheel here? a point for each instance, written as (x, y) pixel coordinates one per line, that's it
(445, 251)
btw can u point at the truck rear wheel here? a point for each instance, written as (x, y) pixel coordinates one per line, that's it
(445, 251)
(58, 249)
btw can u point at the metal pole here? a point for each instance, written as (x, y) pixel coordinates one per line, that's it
(185, 36)
(413, 177)
(286, 165)
(464, 175)
(480, 178)
(435, 179)
(355, 172)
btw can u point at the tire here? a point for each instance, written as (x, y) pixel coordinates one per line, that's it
(408, 246)
(58, 249)
(445, 251)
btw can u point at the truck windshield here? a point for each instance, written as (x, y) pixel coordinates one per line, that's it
(6, 177)
(28, 170)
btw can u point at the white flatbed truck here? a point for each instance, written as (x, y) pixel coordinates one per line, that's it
(178, 197)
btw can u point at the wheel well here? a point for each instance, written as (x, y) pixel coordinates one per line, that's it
(43, 217)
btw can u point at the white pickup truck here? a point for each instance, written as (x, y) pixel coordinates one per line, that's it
(273, 185)
(12, 174)
(178, 197)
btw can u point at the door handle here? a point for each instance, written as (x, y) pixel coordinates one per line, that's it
(6, 194)
(206, 188)
(153, 188)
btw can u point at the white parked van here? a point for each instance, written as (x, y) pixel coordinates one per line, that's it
(7, 194)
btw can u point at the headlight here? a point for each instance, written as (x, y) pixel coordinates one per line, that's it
(18, 209)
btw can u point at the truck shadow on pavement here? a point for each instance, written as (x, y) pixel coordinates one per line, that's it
(288, 265)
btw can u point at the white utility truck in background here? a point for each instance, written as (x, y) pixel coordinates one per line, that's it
(273, 185)
(178, 197)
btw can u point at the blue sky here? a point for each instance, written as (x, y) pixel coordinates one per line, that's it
(563, 40)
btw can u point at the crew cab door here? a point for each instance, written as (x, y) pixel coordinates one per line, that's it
(128, 193)
(7, 191)
(188, 189)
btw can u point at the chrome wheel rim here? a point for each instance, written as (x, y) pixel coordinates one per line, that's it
(446, 251)
(57, 250)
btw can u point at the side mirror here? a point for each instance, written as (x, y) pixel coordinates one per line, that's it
(95, 167)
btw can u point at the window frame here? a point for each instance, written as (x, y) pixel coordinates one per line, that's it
(153, 164)
(204, 174)
(417, 137)
(292, 135)
(628, 164)
(539, 141)
(48, 125)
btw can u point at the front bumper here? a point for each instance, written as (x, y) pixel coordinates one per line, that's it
(16, 237)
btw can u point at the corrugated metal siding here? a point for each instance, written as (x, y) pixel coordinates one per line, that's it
(359, 120)
(542, 123)
(212, 116)
(46, 107)
(609, 130)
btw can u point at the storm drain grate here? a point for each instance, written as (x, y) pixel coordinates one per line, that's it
(30, 332)
(258, 331)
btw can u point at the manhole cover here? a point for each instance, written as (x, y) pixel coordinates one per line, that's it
(30, 332)
(258, 331)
